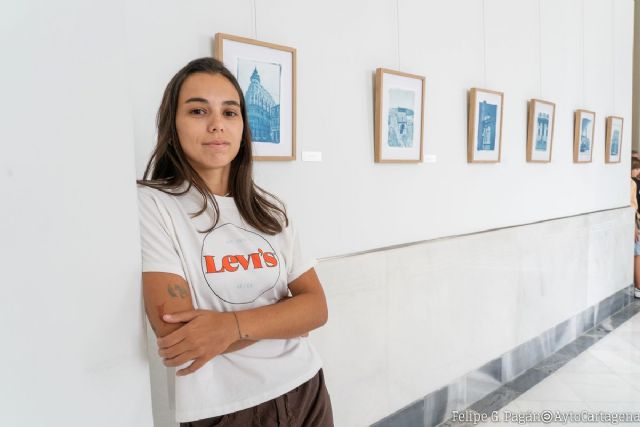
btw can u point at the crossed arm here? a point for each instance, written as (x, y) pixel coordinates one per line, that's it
(185, 334)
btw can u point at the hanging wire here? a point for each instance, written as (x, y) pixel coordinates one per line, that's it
(540, 49)
(484, 47)
(255, 21)
(583, 56)
(398, 30)
(613, 56)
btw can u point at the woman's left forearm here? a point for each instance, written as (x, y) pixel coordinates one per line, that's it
(305, 311)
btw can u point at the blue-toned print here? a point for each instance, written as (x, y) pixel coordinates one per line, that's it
(487, 118)
(615, 142)
(400, 120)
(542, 134)
(585, 141)
(260, 83)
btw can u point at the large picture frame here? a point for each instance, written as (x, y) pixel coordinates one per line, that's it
(484, 140)
(266, 73)
(399, 117)
(583, 131)
(613, 139)
(542, 120)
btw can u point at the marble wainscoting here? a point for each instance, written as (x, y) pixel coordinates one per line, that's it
(418, 331)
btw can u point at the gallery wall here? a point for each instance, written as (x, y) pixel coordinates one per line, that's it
(73, 350)
(79, 76)
(575, 53)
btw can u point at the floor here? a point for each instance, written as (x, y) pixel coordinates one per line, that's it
(600, 383)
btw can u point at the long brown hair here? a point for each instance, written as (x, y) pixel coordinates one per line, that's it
(168, 167)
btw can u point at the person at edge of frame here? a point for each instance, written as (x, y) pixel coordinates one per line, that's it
(635, 202)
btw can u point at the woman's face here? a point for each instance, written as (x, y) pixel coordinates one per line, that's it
(209, 122)
(635, 173)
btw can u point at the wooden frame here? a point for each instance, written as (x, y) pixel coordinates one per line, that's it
(489, 148)
(583, 132)
(541, 130)
(614, 123)
(399, 89)
(273, 129)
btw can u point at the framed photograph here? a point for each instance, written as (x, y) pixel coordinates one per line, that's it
(613, 139)
(540, 130)
(399, 118)
(583, 136)
(267, 75)
(484, 142)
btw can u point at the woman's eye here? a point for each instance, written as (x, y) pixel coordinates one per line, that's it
(198, 111)
(231, 113)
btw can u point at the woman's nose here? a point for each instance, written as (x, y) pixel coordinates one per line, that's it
(215, 124)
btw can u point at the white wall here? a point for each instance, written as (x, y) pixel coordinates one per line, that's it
(488, 288)
(576, 53)
(74, 73)
(73, 350)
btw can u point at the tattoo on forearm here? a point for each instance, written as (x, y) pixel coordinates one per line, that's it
(176, 291)
(171, 291)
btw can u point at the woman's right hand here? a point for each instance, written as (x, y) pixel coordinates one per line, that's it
(204, 335)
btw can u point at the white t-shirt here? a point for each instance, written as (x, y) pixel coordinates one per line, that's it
(233, 267)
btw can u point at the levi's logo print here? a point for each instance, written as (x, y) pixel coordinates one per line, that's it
(238, 265)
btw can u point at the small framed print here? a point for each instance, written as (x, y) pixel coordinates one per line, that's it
(399, 123)
(540, 130)
(613, 139)
(266, 73)
(583, 136)
(484, 142)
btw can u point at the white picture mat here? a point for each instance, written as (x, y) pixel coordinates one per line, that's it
(232, 50)
(616, 123)
(542, 107)
(586, 156)
(491, 98)
(394, 81)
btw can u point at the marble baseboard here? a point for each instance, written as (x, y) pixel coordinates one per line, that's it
(501, 380)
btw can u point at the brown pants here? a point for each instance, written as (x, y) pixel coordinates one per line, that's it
(307, 405)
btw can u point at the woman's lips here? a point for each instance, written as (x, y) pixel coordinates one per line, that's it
(216, 144)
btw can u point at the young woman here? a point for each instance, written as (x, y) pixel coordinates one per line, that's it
(227, 288)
